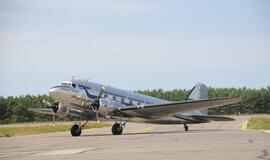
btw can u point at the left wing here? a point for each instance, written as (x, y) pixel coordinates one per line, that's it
(41, 110)
(154, 111)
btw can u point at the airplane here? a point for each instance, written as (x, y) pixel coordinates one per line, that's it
(94, 101)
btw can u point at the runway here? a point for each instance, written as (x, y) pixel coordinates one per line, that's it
(216, 140)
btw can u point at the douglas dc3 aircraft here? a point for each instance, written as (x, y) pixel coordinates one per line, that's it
(95, 101)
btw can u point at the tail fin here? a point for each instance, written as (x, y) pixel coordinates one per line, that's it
(199, 91)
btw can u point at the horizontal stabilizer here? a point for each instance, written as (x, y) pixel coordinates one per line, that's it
(213, 118)
(188, 119)
(203, 118)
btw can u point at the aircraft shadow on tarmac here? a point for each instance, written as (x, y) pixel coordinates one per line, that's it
(152, 133)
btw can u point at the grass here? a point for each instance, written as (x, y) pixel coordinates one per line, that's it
(41, 128)
(259, 122)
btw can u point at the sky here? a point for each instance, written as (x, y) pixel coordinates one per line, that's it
(133, 45)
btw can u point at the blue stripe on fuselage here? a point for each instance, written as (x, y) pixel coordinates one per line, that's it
(85, 88)
(86, 91)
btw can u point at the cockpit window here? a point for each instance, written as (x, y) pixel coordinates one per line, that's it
(73, 85)
(66, 84)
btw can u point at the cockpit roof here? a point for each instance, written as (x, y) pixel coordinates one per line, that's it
(68, 84)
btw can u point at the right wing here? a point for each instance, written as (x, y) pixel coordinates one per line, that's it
(159, 110)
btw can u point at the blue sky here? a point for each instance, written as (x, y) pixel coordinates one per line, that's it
(134, 44)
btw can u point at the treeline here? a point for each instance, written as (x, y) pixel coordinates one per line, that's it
(254, 101)
(14, 109)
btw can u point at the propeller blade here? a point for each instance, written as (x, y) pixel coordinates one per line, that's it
(97, 117)
(49, 104)
(100, 93)
(95, 104)
(53, 117)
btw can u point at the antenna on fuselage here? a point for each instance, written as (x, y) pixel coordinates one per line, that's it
(75, 78)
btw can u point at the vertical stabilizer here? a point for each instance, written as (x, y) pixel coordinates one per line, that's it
(199, 91)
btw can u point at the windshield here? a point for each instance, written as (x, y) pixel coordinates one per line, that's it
(66, 83)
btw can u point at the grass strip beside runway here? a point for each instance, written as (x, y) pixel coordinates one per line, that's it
(20, 130)
(259, 122)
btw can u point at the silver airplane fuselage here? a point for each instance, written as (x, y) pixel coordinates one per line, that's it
(70, 93)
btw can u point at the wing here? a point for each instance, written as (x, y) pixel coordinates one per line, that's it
(188, 119)
(159, 110)
(41, 110)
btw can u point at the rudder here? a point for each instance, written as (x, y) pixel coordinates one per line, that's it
(198, 92)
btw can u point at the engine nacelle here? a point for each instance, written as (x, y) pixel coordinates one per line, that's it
(107, 106)
(59, 109)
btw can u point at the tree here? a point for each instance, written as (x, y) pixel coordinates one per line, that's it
(14, 109)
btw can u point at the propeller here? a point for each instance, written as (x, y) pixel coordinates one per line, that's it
(46, 103)
(96, 104)
(53, 106)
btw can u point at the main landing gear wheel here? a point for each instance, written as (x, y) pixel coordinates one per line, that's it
(186, 127)
(117, 129)
(76, 130)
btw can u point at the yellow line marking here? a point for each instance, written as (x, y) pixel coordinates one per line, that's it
(147, 129)
(245, 125)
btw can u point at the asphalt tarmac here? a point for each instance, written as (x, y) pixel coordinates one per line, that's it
(216, 140)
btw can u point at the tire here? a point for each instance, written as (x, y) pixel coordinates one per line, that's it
(186, 128)
(117, 129)
(76, 130)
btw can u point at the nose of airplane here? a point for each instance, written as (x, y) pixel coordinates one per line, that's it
(53, 92)
(60, 93)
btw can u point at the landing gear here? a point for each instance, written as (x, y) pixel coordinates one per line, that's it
(186, 127)
(117, 129)
(118, 126)
(76, 130)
